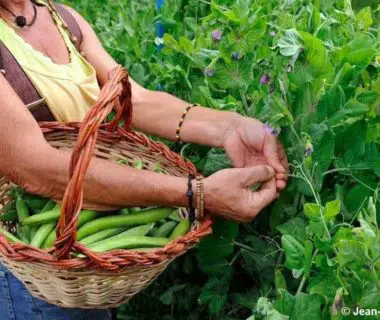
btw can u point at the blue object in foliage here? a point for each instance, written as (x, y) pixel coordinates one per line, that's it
(160, 31)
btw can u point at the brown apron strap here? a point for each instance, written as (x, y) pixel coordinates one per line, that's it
(20, 82)
(71, 23)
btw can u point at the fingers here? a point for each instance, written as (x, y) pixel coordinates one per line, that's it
(280, 184)
(272, 153)
(257, 174)
(266, 194)
(283, 158)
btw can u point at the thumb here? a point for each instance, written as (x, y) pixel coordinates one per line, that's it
(256, 174)
(266, 194)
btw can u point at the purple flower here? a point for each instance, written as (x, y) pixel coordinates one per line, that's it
(273, 131)
(265, 79)
(272, 33)
(308, 149)
(216, 35)
(209, 72)
(237, 56)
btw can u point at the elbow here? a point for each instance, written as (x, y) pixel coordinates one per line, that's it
(27, 168)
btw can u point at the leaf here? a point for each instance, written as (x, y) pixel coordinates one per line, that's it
(331, 210)
(316, 54)
(294, 252)
(359, 52)
(186, 45)
(364, 18)
(307, 304)
(167, 297)
(216, 161)
(285, 303)
(294, 227)
(214, 293)
(240, 9)
(324, 284)
(312, 210)
(308, 259)
(256, 31)
(325, 151)
(280, 281)
(352, 251)
(290, 43)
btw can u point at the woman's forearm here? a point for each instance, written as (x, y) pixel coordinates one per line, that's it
(106, 185)
(159, 113)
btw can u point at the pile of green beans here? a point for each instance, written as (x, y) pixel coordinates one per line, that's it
(129, 228)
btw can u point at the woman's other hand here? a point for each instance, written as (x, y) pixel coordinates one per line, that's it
(248, 144)
(228, 192)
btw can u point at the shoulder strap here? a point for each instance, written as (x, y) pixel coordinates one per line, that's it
(22, 85)
(71, 23)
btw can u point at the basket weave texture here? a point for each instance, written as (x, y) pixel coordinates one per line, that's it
(99, 280)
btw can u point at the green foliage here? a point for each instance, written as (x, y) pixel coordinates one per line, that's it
(318, 247)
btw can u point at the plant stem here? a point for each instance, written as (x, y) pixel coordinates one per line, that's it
(299, 290)
(243, 246)
(245, 103)
(234, 258)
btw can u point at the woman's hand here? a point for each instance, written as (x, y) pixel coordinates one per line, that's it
(228, 192)
(248, 144)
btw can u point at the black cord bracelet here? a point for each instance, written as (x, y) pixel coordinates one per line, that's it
(190, 195)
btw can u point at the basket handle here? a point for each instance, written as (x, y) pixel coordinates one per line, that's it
(115, 94)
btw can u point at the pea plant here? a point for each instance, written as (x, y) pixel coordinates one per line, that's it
(309, 69)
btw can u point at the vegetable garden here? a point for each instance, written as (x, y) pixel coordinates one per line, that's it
(309, 69)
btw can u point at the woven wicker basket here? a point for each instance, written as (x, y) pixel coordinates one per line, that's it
(100, 280)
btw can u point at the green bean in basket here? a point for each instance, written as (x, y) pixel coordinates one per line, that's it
(54, 214)
(138, 218)
(182, 228)
(165, 230)
(84, 217)
(9, 236)
(136, 231)
(129, 242)
(42, 234)
(101, 235)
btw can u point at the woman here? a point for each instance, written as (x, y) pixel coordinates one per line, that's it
(69, 83)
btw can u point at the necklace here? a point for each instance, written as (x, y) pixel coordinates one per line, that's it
(21, 20)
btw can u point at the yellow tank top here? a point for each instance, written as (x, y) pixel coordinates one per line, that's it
(69, 90)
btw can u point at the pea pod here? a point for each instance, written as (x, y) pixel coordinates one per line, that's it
(175, 216)
(50, 239)
(136, 231)
(165, 230)
(22, 210)
(84, 216)
(42, 218)
(9, 236)
(54, 214)
(33, 231)
(35, 203)
(48, 206)
(42, 234)
(182, 228)
(101, 235)
(147, 216)
(129, 242)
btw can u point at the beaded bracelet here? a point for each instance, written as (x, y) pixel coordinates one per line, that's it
(189, 195)
(200, 198)
(177, 135)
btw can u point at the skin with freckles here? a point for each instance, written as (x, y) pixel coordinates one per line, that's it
(257, 156)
